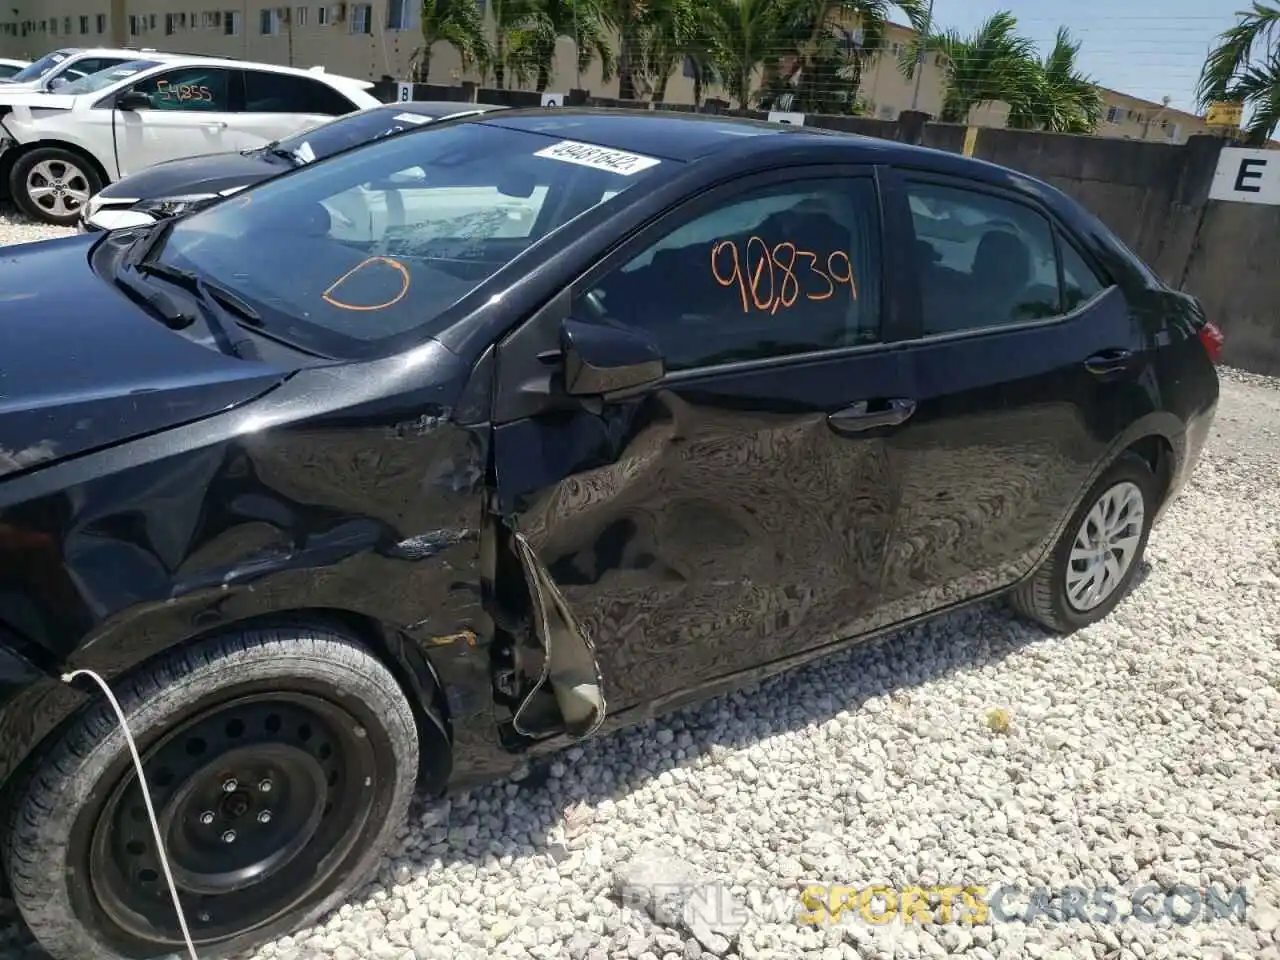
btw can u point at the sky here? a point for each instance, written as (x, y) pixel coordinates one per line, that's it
(1146, 48)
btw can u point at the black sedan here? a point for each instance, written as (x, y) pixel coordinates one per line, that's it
(180, 186)
(466, 444)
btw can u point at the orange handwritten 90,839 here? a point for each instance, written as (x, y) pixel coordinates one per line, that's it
(772, 278)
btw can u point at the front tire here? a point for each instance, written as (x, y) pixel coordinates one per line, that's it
(53, 185)
(281, 764)
(1096, 558)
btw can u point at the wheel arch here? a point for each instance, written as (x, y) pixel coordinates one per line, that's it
(11, 157)
(1158, 439)
(32, 720)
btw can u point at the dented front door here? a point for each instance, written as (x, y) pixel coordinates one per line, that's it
(738, 513)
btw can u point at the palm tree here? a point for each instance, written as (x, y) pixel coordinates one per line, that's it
(992, 64)
(1061, 98)
(822, 37)
(532, 46)
(458, 23)
(1245, 67)
(510, 20)
(745, 36)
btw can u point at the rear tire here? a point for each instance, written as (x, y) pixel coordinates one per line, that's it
(53, 185)
(281, 763)
(1058, 595)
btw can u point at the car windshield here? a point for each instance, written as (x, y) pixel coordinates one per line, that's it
(348, 131)
(105, 78)
(36, 70)
(363, 254)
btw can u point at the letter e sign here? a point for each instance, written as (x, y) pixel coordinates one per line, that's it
(1247, 176)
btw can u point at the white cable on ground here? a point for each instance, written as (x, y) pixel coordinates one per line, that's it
(67, 678)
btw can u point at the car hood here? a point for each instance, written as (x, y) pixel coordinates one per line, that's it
(210, 173)
(82, 367)
(19, 95)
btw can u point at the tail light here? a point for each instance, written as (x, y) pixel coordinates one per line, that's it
(1212, 339)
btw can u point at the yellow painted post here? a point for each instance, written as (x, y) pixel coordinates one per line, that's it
(970, 141)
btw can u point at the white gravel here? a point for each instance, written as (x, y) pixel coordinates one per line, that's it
(1141, 750)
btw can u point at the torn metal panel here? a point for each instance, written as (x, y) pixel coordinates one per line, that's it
(569, 661)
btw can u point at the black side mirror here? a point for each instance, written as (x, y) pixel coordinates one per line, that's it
(133, 100)
(601, 359)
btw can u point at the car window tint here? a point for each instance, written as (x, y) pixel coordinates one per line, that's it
(89, 66)
(8, 69)
(267, 92)
(983, 261)
(788, 269)
(188, 88)
(1079, 282)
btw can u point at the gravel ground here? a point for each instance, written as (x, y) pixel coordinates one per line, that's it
(1140, 751)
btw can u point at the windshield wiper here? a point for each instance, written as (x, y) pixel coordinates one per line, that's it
(204, 292)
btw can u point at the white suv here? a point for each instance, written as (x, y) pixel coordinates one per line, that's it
(58, 149)
(61, 67)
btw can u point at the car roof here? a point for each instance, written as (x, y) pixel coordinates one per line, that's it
(199, 60)
(438, 108)
(692, 137)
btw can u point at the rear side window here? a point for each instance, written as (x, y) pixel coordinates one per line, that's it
(1079, 282)
(771, 272)
(983, 261)
(284, 93)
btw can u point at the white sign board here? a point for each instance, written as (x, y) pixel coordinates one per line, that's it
(553, 99)
(1247, 176)
(782, 116)
(404, 92)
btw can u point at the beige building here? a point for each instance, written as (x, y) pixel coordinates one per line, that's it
(370, 39)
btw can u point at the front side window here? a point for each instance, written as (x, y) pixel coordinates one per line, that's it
(363, 254)
(205, 89)
(983, 261)
(1079, 281)
(267, 92)
(40, 68)
(777, 271)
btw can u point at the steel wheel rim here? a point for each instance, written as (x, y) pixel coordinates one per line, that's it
(317, 784)
(57, 187)
(1105, 546)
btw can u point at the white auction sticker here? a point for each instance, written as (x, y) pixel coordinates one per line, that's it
(411, 117)
(598, 158)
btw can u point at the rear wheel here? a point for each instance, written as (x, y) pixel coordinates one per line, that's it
(53, 185)
(1098, 555)
(280, 764)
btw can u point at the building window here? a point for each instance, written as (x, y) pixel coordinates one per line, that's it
(269, 22)
(301, 16)
(400, 14)
(362, 18)
(168, 24)
(231, 23)
(84, 25)
(100, 23)
(1114, 114)
(895, 49)
(66, 26)
(322, 16)
(133, 25)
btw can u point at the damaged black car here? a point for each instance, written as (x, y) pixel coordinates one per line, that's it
(452, 449)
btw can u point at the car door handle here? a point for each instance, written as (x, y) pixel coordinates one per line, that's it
(870, 414)
(216, 125)
(1109, 361)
